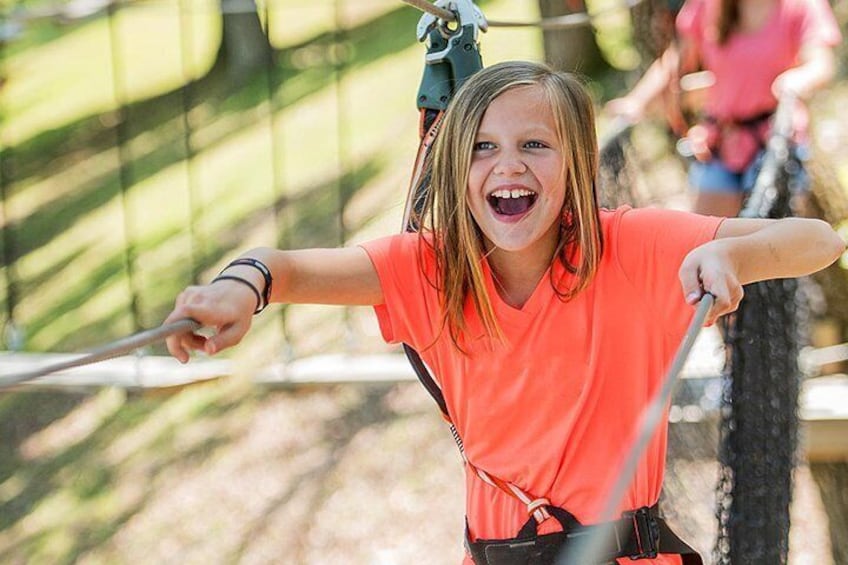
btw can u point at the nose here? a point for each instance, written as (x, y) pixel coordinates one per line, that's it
(509, 163)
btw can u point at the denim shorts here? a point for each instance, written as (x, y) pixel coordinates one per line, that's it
(713, 176)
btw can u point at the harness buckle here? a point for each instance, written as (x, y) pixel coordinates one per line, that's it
(647, 534)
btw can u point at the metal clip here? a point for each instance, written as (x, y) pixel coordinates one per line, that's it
(467, 14)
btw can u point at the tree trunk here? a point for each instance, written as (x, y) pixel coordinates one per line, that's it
(244, 45)
(828, 201)
(572, 49)
(653, 29)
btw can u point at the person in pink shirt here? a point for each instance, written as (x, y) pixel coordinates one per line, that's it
(548, 322)
(755, 51)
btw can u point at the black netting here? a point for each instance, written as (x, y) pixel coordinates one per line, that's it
(617, 177)
(759, 427)
(759, 413)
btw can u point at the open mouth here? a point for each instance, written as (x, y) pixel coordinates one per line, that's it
(512, 202)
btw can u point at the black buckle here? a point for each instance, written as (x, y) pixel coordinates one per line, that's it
(647, 534)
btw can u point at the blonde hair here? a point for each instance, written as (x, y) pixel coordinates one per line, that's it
(456, 238)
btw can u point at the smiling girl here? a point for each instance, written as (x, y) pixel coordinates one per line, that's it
(547, 321)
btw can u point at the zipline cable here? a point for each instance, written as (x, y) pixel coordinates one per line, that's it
(431, 9)
(108, 351)
(576, 19)
(566, 21)
(65, 12)
(584, 550)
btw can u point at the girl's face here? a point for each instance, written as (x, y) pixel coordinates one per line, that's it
(516, 185)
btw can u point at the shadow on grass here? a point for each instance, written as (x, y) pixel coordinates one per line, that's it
(216, 96)
(312, 213)
(84, 473)
(155, 140)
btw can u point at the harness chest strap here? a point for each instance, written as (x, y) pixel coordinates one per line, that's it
(536, 507)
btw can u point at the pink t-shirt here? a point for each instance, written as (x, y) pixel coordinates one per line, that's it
(555, 408)
(745, 67)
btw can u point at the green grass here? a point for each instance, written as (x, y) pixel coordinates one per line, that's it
(96, 187)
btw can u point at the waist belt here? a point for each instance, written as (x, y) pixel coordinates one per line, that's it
(640, 534)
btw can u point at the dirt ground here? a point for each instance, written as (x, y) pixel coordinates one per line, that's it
(349, 475)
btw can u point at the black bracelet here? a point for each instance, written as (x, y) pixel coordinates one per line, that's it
(245, 282)
(262, 268)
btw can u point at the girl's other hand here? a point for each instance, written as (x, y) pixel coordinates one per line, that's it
(793, 82)
(626, 108)
(225, 306)
(699, 142)
(708, 269)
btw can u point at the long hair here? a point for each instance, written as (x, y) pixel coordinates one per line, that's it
(456, 239)
(728, 20)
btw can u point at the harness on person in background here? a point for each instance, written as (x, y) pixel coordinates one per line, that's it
(453, 55)
(738, 142)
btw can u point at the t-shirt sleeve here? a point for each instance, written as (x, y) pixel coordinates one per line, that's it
(407, 311)
(690, 20)
(818, 24)
(650, 245)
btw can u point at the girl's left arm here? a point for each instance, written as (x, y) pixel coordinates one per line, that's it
(750, 250)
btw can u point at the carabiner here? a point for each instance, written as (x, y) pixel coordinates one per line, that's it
(453, 51)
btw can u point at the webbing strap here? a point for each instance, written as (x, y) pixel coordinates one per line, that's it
(638, 534)
(536, 507)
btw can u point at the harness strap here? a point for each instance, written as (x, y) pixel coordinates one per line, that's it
(750, 122)
(537, 508)
(638, 534)
(429, 123)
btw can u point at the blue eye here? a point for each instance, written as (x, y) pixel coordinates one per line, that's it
(483, 146)
(535, 145)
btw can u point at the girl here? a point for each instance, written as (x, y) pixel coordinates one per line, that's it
(548, 322)
(756, 51)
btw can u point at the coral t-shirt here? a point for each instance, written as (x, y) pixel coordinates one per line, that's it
(555, 407)
(747, 64)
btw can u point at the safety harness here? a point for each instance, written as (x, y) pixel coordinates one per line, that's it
(737, 142)
(453, 55)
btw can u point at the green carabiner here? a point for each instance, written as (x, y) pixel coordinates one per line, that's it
(453, 52)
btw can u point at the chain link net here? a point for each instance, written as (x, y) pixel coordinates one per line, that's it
(759, 427)
(759, 411)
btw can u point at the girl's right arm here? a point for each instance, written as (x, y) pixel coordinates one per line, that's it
(817, 69)
(343, 276)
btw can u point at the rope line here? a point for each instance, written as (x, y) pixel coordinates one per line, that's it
(69, 12)
(108, 351)
(577, 19)
(431, 9)
(593, 544)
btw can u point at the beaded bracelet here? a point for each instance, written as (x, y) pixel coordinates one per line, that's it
(248, 284)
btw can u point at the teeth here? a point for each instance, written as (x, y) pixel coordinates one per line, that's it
(514, 193)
